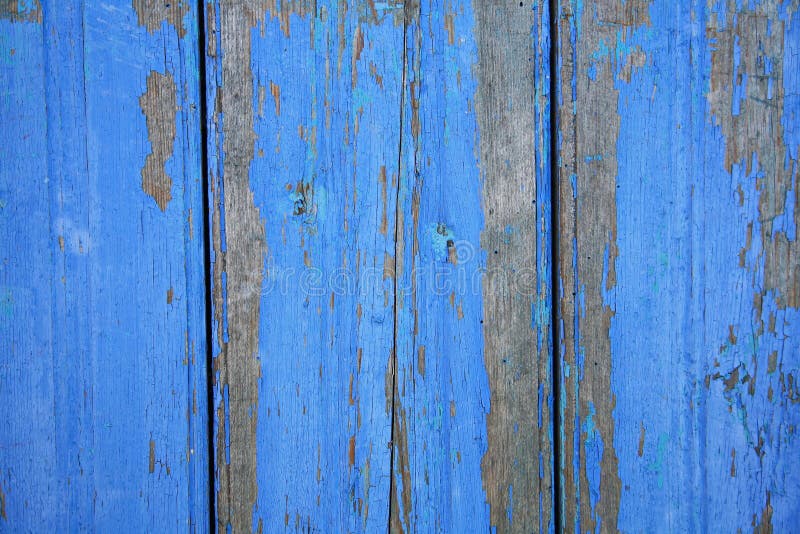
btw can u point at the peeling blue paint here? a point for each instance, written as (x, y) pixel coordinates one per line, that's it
(95, 362)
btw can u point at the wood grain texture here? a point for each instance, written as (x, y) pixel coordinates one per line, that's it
(304, 140)
(102, 336)
(472, 402)
(380, 208)
(678, 270)
(357, 209)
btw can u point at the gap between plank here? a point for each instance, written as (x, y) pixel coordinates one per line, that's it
(201, 59)
(397, 230)
(555, 344)
(554, 251)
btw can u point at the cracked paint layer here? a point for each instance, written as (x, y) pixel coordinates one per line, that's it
(93, 356)
(747, 101)
(454, 213)
(319, 134)
(238, 259)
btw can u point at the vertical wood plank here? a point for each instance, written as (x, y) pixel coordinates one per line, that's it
(102, 336)
(304, 140)
(349, 179)
(472, 400)
(679, 271)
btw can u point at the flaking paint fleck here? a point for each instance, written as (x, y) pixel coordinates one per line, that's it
(763, 525)
(19, 11)
(152, 457)
(748, 47)
(159, 106)
(384, 228)
(284, 9)
(640, 452)
(351, 451)
(358, 47)
(153, 13)
(275, 90)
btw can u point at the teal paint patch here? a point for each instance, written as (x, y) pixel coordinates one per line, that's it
(656, 465)
(594, 447)
(7, 303)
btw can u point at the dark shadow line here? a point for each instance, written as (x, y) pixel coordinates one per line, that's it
(201, 39)
(397, 230)
(555, 244)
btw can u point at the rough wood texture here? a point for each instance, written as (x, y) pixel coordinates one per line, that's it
(513, 107)
(678, 268)
(379, 200)
(304, 147)
(357, 207)
(472, 402)
(238, 242)
(102, 336)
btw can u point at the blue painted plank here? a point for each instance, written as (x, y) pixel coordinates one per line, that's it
(473, 447)
(303, 146)
(102, 336)
(357, 162)
(680, 269)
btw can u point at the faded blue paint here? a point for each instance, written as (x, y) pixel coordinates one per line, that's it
(94, 355)
(94, 361)
(326, 314)
(681, 294)
(510, 510)
(444, 312)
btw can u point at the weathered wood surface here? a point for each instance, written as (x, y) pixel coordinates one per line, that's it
(472, 390)
(367, 370)
(679, 268)
(304, 136)
(379, 207)
(102, 337)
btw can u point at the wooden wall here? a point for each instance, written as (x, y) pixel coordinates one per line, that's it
(421, 266)
(102, 315)
(679, 268)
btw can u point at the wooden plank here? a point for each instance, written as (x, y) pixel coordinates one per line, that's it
(321, 389)
(679, 268)
(472, 401)
(304, 140)
(102, 329)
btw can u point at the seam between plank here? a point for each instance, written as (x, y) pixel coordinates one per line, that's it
(397, 230)
(203, 79)
(555, 344)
